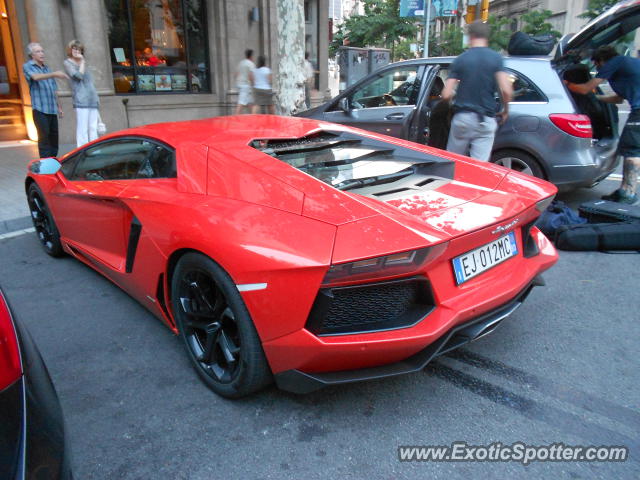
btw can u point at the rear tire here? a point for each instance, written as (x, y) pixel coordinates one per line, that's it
(519, 161)
(43, 222)
(216, 328)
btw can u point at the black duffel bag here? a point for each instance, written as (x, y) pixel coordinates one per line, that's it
(599, 236)
(521, 43)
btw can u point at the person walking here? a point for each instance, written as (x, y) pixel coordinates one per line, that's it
(477, 73)
(623, 74)
(85, 97)
(309, 77)
(243, 82)
(262, 92)
(44, 99)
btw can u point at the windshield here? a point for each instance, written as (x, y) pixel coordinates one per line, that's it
(343, 163)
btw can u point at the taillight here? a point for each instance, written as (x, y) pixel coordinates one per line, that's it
(573, 124)
(10, 368)
(394, 265)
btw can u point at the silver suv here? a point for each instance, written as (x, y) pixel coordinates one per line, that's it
(550, 133)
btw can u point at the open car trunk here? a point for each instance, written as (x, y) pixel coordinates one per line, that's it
(618, 23)
(603, 116)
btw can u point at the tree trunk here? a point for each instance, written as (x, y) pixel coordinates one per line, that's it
(289, 83)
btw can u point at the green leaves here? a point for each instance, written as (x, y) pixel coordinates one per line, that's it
(499, 36)
(535, 23)
(380, 26)
(596, 7)
(449, 42)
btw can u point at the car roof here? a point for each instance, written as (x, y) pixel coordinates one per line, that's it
(224, 132)
(507, 58)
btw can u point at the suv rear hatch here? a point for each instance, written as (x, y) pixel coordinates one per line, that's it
(571, 61)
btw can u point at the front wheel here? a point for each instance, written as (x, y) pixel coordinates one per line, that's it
(43, 222)
(216, 328)
(519, 161)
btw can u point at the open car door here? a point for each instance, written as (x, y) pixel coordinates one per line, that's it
(385, 103)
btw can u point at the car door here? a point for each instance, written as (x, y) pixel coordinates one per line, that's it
(385, 102)
(89, 203)
(420, 125)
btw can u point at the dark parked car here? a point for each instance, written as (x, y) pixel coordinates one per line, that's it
(32, 440)
(551, 133)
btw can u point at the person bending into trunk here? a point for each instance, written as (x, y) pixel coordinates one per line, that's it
(623, 74)
(478, 73)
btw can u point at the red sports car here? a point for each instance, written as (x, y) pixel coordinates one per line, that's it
(295, 249)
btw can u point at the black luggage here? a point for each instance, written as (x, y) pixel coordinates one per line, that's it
(603, 211)
(599, 236)
(522, 44)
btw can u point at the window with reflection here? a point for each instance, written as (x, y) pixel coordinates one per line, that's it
(158, 46)
(127, 159)
(524, 90)
(399, 86)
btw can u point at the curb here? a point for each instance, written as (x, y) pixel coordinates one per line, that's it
(8, 226)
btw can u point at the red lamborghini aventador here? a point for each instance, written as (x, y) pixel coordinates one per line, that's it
(295, 249)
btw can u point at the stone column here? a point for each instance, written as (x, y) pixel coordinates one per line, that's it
(323, 47)
(43, 19)
(89, 20)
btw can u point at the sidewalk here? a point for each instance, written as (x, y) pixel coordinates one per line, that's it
(14, 157)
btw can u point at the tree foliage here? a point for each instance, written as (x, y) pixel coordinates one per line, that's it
(535, 23)
(448, 42)
(596, 7)
(380, 26)
(499, 35)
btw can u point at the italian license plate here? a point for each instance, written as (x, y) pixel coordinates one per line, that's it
(481, 259)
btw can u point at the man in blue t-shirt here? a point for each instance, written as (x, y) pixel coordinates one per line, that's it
(623, 74)
(478, 73)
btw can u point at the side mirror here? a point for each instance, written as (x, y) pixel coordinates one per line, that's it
(343, 103)
(45, 166)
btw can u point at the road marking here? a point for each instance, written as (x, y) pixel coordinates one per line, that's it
(17, 233)
(616, 176)
(20, 143)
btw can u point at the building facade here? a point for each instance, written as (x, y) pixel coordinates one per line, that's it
(151, 60)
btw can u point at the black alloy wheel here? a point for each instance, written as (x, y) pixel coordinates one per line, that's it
(216, 328)
(43, 222)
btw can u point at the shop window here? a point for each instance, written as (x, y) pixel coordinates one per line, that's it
(158, 46)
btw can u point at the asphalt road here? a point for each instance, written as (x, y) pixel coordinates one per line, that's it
(563, 368)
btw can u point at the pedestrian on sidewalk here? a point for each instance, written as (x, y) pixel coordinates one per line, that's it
(262, 92)
(478, 73)
(243, 82)
(309, 77)
(85, 97)
(623, 74)
(44, 99)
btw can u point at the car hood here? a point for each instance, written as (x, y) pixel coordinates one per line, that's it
(613, 24)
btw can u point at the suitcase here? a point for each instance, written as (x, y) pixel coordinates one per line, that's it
(599, 236)
(603, 211)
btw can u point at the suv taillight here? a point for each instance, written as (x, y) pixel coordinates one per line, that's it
(10, 368)
(573, 124)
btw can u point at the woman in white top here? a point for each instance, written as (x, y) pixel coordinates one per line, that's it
(262, 93)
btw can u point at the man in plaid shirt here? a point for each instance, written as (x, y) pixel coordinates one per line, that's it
(44, 99)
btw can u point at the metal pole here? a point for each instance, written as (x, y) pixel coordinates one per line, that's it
(427, 22)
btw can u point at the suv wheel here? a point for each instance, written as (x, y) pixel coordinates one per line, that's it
(519, 161)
